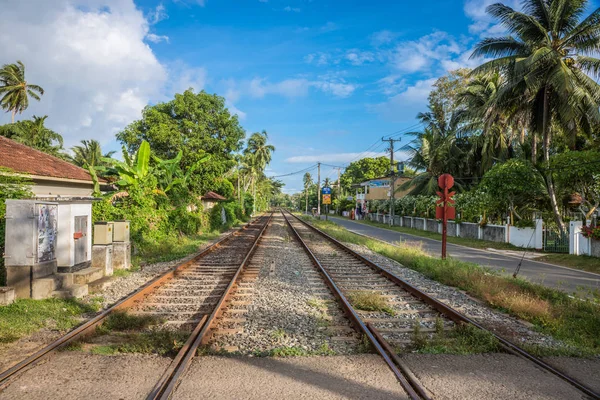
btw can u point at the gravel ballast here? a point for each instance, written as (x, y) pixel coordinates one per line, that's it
(291, 306)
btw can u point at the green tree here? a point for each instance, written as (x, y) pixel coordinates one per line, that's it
(363, 170)
(89, 153)
(33, 133)
(196, 124)
(546, 61)
(579, 172)
(15, 90)
(259, 155)
(513, 186)
(308, 181)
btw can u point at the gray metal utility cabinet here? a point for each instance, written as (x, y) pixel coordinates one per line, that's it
(31, 243)
(74, 245)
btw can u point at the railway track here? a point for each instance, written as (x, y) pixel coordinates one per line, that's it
(190, 297)
(348, 274)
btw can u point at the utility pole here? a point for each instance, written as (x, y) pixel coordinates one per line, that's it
(392, 177)
(339, 185)
(319, 190)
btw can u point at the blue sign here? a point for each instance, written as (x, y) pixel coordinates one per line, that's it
(326, 190)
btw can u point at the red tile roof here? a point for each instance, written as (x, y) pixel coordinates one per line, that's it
(213, 196)
(25, 160)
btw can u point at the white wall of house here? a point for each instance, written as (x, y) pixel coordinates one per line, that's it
(63, 188)
(65, 249)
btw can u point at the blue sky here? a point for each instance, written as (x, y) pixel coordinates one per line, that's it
(326, 79)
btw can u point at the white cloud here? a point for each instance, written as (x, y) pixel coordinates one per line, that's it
(157, 38)
(383, 37)
(158, 14)
(91, 59)
(483, 24)
(319, 58)
(183, 77)
(358, 57)
(419, 55)
(299, 87)
(290, 9)
(406, 104)
(332, 157)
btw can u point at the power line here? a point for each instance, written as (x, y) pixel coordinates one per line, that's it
(297, 172)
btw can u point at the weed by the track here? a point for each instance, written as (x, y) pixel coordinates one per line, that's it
(278, 334)
(25, 316)
(161, 342)
(368, 300)
(463, 339)
(297, 351)
(317, 303)
(574, 321)
(123, 321)
(365, 345)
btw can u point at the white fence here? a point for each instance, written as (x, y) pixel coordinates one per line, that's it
(521, 237)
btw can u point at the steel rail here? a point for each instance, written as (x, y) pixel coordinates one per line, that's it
(353, 315)
(455, 315)
(87, 327)
(405, 370)
(170, 379)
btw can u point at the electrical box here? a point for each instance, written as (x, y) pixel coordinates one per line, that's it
(103, 232)
(121, 231)
(31, 232)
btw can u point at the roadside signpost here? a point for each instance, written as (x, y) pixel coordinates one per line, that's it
(326, 194)
(444, 210)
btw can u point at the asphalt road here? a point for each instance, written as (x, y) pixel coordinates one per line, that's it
(566, 279)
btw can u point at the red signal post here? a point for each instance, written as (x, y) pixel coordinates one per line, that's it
(444, 211)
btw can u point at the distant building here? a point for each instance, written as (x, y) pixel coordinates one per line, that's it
(379, 189)
(51, 176)
(210, 199)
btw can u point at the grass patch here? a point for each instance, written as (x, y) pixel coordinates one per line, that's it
(278, 334)
(123, 321)
(583, 263)
(171, 248)
(296, 351)
(463, 339)
(319, 304)
(161, 342)
(368, 300)
(574, 321)
(26, 316)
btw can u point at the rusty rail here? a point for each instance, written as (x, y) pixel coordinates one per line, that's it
(89, 326)
(169, 380)
(359, 325)
(455, 315)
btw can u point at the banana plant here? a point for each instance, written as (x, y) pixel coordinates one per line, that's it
(170, 171)
(131, 172)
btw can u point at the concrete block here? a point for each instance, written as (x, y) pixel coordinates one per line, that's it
(19, 277)
(121, 255)
(75, 291)
(102, 258)
(65, 280)
(87, 275)
(44, 269)
(42, 288)
(7, 295)
(100, 285)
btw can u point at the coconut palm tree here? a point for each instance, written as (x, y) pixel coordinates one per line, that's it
(259, 155)
(307, 183)
(89, 153)
(546, 59)
(15, 90)
(34, 133)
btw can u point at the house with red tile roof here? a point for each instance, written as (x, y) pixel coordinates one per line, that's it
(210, 199)
(52, 177)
